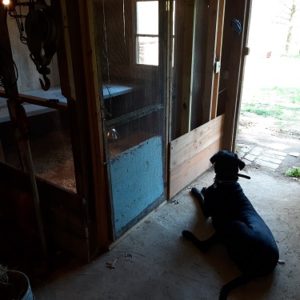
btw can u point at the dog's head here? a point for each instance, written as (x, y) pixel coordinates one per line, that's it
(227, 165)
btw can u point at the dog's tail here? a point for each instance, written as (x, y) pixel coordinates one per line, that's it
(228, 287)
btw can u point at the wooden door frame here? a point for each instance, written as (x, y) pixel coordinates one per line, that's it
(82, 90)
(190, 153)
(234, 51)
(81, 87)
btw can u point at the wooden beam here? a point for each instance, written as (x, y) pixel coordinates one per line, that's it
(232, 62)
(218, 59)
(245, 51)
(19, 120)
(88, 133)
(184, 21)
(210, 61)
(43, 102)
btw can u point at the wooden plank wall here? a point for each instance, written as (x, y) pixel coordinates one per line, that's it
(190, 153)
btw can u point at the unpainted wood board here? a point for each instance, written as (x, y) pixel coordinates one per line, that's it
(192, 143)
(183, 58)
(219, 43)
(233, 45)
(51, 195)
(210, 60)
(184, 174)
(198, 62)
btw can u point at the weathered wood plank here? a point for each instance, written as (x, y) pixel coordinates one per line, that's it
(192, 143)
(183, 63)
(233, 62)
(210, 60)
(189, 154)
(184, 174)
(87, 130)
(198, 62)
(219, 43)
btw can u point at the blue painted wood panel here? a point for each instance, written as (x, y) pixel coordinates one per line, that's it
(137, 181)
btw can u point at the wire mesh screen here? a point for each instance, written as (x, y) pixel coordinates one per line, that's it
(132, 105)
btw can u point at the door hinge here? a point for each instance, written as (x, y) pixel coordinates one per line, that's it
(217, 67)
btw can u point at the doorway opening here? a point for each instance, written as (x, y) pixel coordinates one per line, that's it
(268, 134)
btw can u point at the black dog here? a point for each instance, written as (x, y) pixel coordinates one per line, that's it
(248, 239)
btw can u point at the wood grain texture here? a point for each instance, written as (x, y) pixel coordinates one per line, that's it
(233, 63)
(210, 60)
(189, 154)
(219, 43)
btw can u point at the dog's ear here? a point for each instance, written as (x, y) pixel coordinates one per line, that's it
(241, 164)
(214, 158)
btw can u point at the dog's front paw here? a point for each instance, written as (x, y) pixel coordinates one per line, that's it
(195, 192)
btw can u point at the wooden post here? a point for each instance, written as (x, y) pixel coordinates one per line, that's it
(245, 51)
(233, 64)
(218, 59)
(183, 65)
(19, 120)
(210, 61)
(83, 92)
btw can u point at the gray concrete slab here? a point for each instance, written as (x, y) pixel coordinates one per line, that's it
(153, 261)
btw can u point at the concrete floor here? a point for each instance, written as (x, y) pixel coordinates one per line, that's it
(154, 262)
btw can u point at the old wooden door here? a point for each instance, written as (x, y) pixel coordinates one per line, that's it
(133, 107)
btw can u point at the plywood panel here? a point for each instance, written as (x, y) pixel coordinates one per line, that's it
(189, 154)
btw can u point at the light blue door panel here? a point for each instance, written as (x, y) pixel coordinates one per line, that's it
(137, 181)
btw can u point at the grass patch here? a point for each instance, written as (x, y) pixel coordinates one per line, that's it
(287, 94)
(277, 102)
(293, 172)
(264, 110)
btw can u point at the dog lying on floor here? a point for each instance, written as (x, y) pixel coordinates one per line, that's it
(248, 239)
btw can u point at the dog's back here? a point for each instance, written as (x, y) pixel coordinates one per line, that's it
(248, 239)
